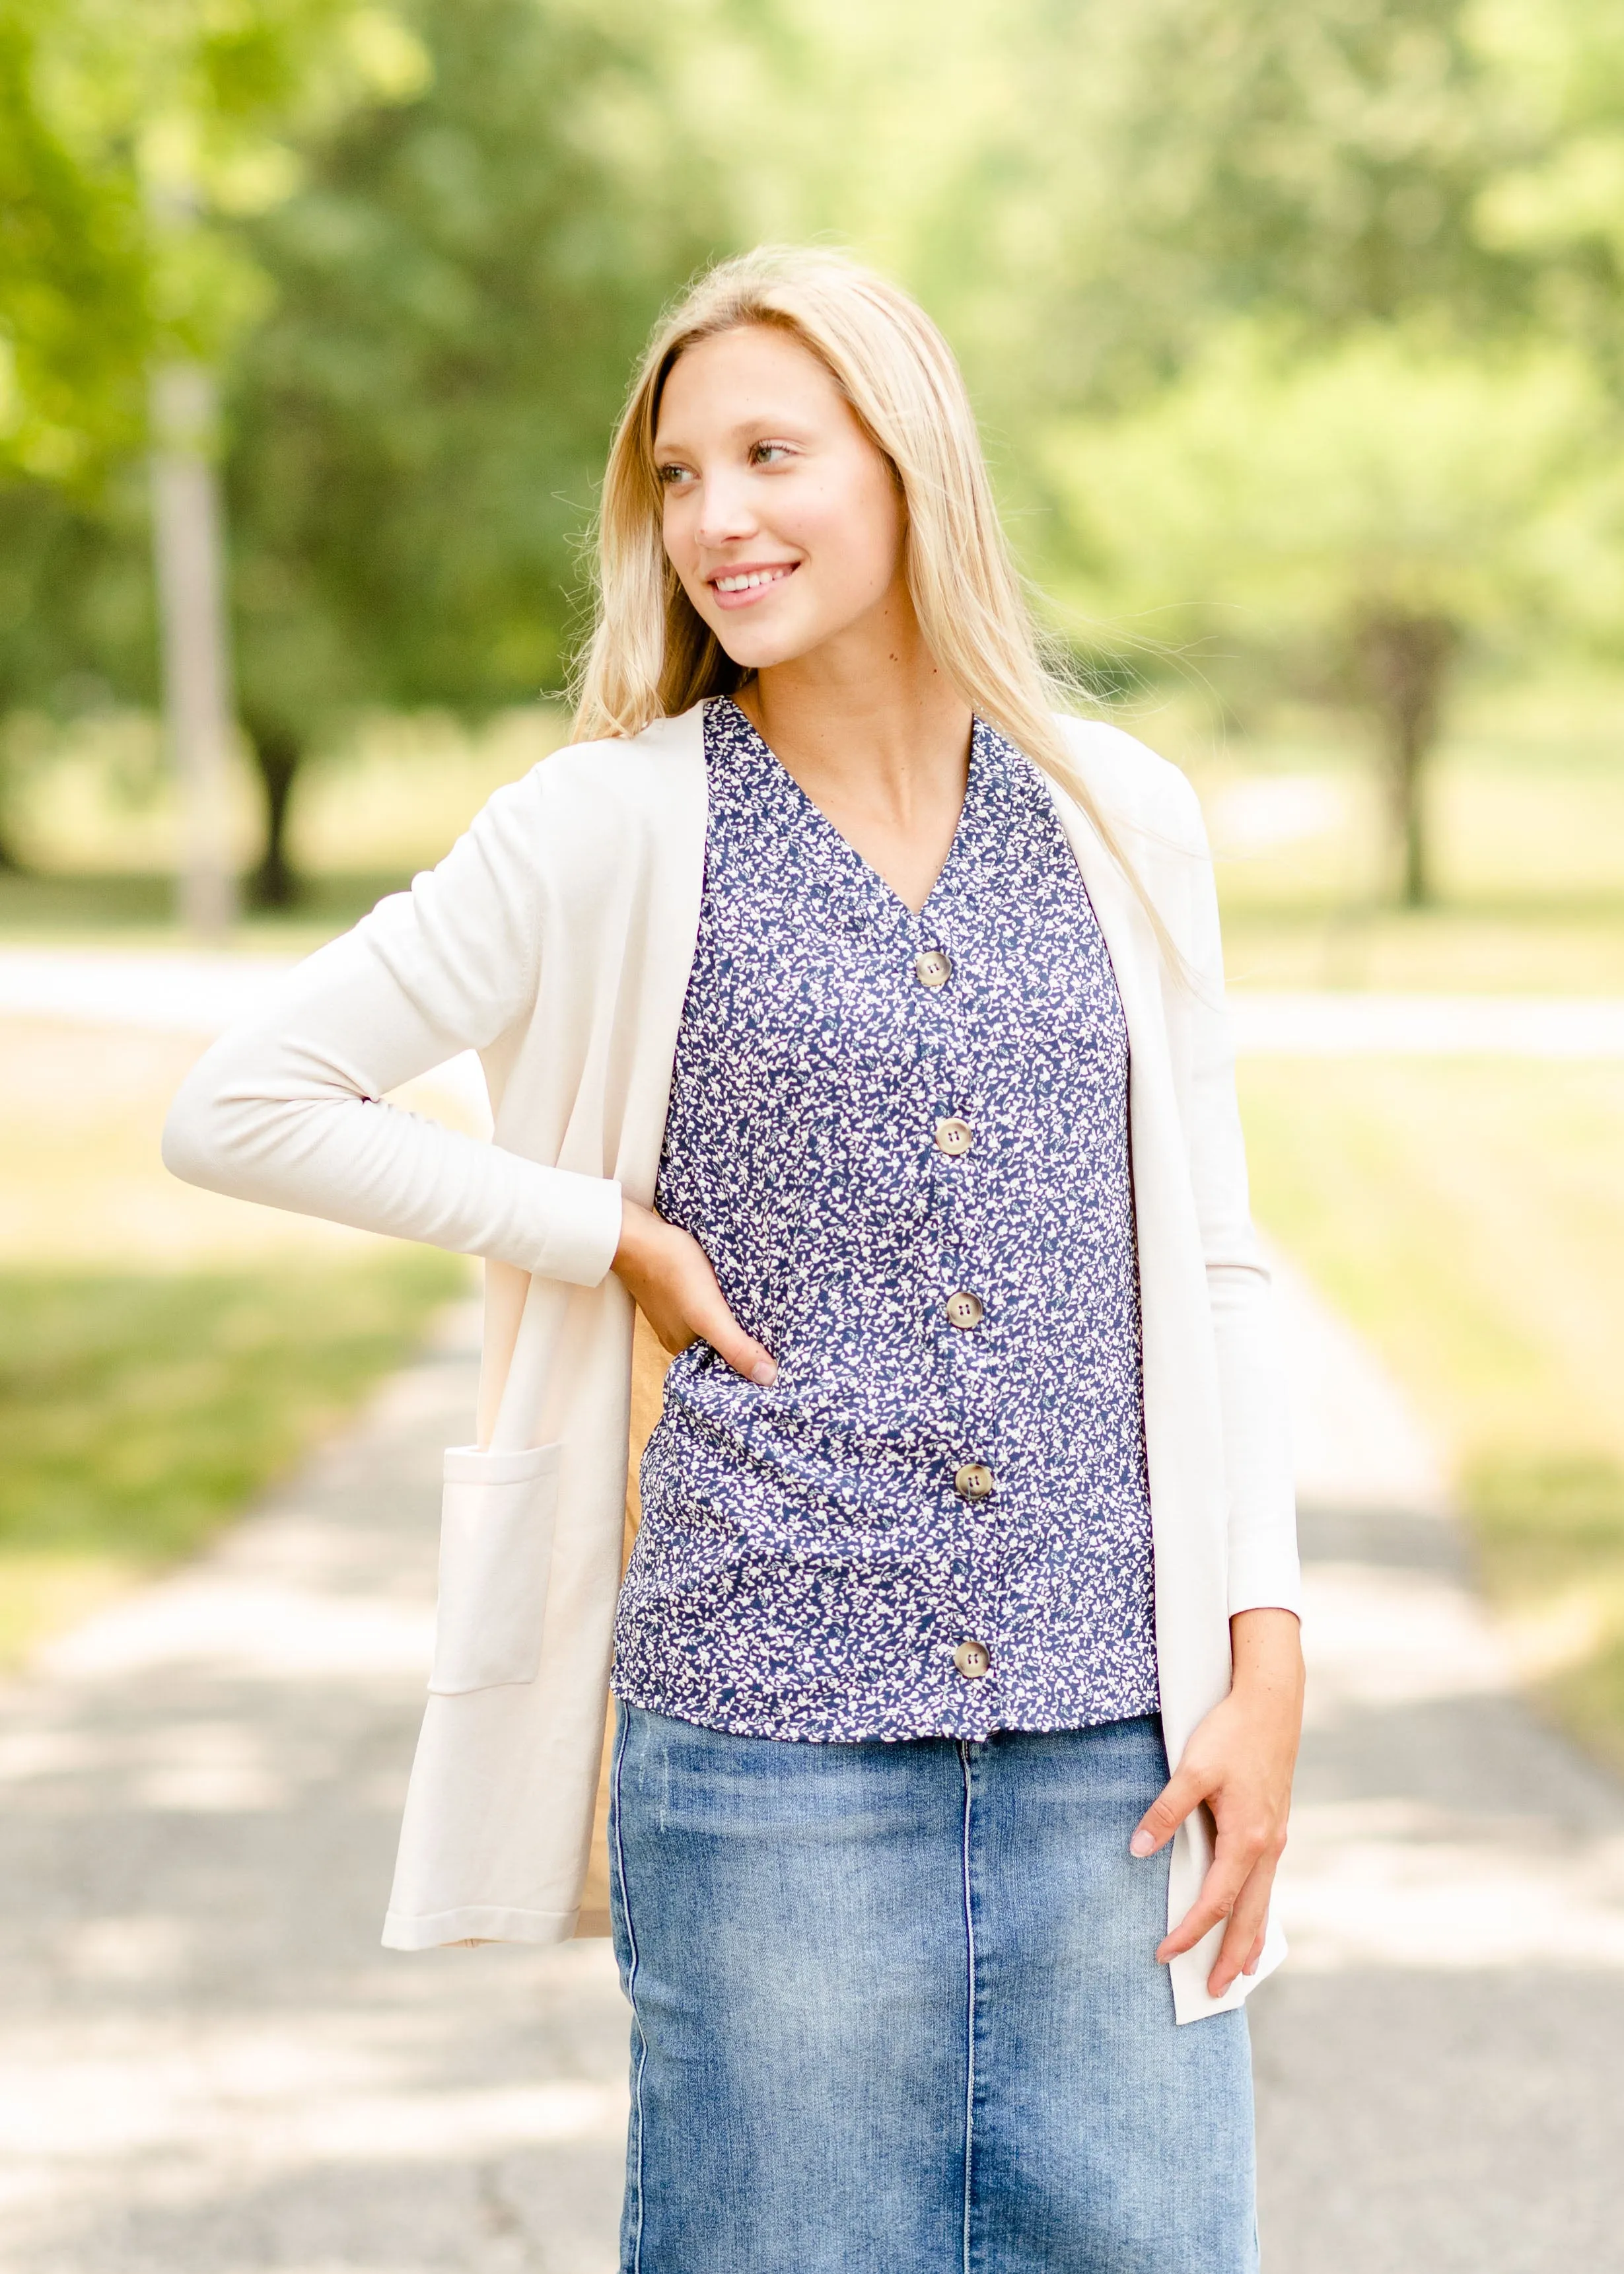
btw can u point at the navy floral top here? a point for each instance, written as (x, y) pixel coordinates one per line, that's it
(902, 1142)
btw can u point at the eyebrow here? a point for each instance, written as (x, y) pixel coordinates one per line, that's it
(746, 429)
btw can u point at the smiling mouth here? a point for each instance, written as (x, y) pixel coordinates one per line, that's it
(738, 587)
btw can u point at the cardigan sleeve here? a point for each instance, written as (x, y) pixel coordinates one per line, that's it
(1264, 1569)
(288, 1108)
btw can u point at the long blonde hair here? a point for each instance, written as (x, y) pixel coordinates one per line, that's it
(652, 655)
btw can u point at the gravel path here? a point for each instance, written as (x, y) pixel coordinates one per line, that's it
(208, 2066)
(1440, 2063)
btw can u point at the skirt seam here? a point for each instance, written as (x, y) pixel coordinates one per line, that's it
(631, 1992)
(969, 1918)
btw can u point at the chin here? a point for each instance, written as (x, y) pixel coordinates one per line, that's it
(758, 648)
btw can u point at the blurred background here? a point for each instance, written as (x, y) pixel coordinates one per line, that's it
(1296, 332)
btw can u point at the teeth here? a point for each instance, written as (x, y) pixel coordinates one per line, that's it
(749, 583)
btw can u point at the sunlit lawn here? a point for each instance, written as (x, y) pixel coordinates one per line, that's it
(140, 1409)
(98, 823)
(163, 1354)
(1470, 1217)
(1526, 822)
(136, 910)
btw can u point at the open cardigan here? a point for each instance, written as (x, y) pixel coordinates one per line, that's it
(556, 939)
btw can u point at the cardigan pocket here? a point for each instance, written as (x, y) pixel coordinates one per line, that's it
(495, 1550)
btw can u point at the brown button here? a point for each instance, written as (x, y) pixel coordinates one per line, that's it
(954, 1136)
(963, 1309)
(973, 1660)
(932, 968)
(973, 1480)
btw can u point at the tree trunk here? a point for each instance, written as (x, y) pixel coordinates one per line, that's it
(277, 754)
(197, 664)
(11, 862)
(1404, 661)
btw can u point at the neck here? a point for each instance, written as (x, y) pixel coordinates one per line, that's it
(869, 716)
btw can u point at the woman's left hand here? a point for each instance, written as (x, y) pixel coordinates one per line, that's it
(1239, 1761)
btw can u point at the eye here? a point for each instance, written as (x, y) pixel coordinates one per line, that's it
(671, 474)
(762, 454)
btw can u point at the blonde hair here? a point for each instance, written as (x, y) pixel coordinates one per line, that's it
(652, 655)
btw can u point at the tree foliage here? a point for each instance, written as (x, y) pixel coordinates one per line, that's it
(74, 325)
(133, 140)
(418, 426)
(135, 143)
(431, 303)
(1357, 512)
(1155, 171)
(462, 285)
(425, 243)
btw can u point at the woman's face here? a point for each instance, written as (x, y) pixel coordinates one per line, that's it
(781, 518)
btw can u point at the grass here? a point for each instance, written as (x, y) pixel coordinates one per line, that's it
(140, 1410)
(107, 908)
(1525, 798)
(94, 813)
(1518, 948)
(1469, 1217)
(164, 1353)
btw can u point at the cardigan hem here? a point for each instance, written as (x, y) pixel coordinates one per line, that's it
(475, 1923)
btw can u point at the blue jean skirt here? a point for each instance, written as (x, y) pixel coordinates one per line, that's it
(895, 2011)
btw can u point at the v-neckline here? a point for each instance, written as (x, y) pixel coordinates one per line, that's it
(821, 819)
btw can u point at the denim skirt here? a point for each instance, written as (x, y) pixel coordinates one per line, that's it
(895, 2010)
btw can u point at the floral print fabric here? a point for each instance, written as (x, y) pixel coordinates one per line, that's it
(924, 1527)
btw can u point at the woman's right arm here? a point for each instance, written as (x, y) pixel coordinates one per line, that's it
(287, 1108)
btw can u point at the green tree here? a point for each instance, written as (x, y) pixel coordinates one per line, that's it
(1557, 206)
(1145, 175)
(1368, 510)
(419, 425)
(75, 326)
(133, 142)
(431, 305)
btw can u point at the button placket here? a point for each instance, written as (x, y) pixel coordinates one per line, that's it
(953, 1137)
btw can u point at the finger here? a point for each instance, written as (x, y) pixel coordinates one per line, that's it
(727, 1338)
(1243, 1934)
(1182, 1791)
(1243, 1867)
(1220, 1890)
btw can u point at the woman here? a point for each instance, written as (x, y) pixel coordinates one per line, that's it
(857, 1014)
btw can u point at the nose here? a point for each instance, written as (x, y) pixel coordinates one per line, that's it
(727, 512)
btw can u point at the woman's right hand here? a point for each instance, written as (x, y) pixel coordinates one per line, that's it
(668, 1276)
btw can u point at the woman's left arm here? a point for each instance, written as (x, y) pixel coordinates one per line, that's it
(1239, 1760)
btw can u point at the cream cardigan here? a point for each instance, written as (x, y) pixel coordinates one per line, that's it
(556, 938)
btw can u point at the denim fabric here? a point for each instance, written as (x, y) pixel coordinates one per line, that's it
(806, 1566)
(895, 2011)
